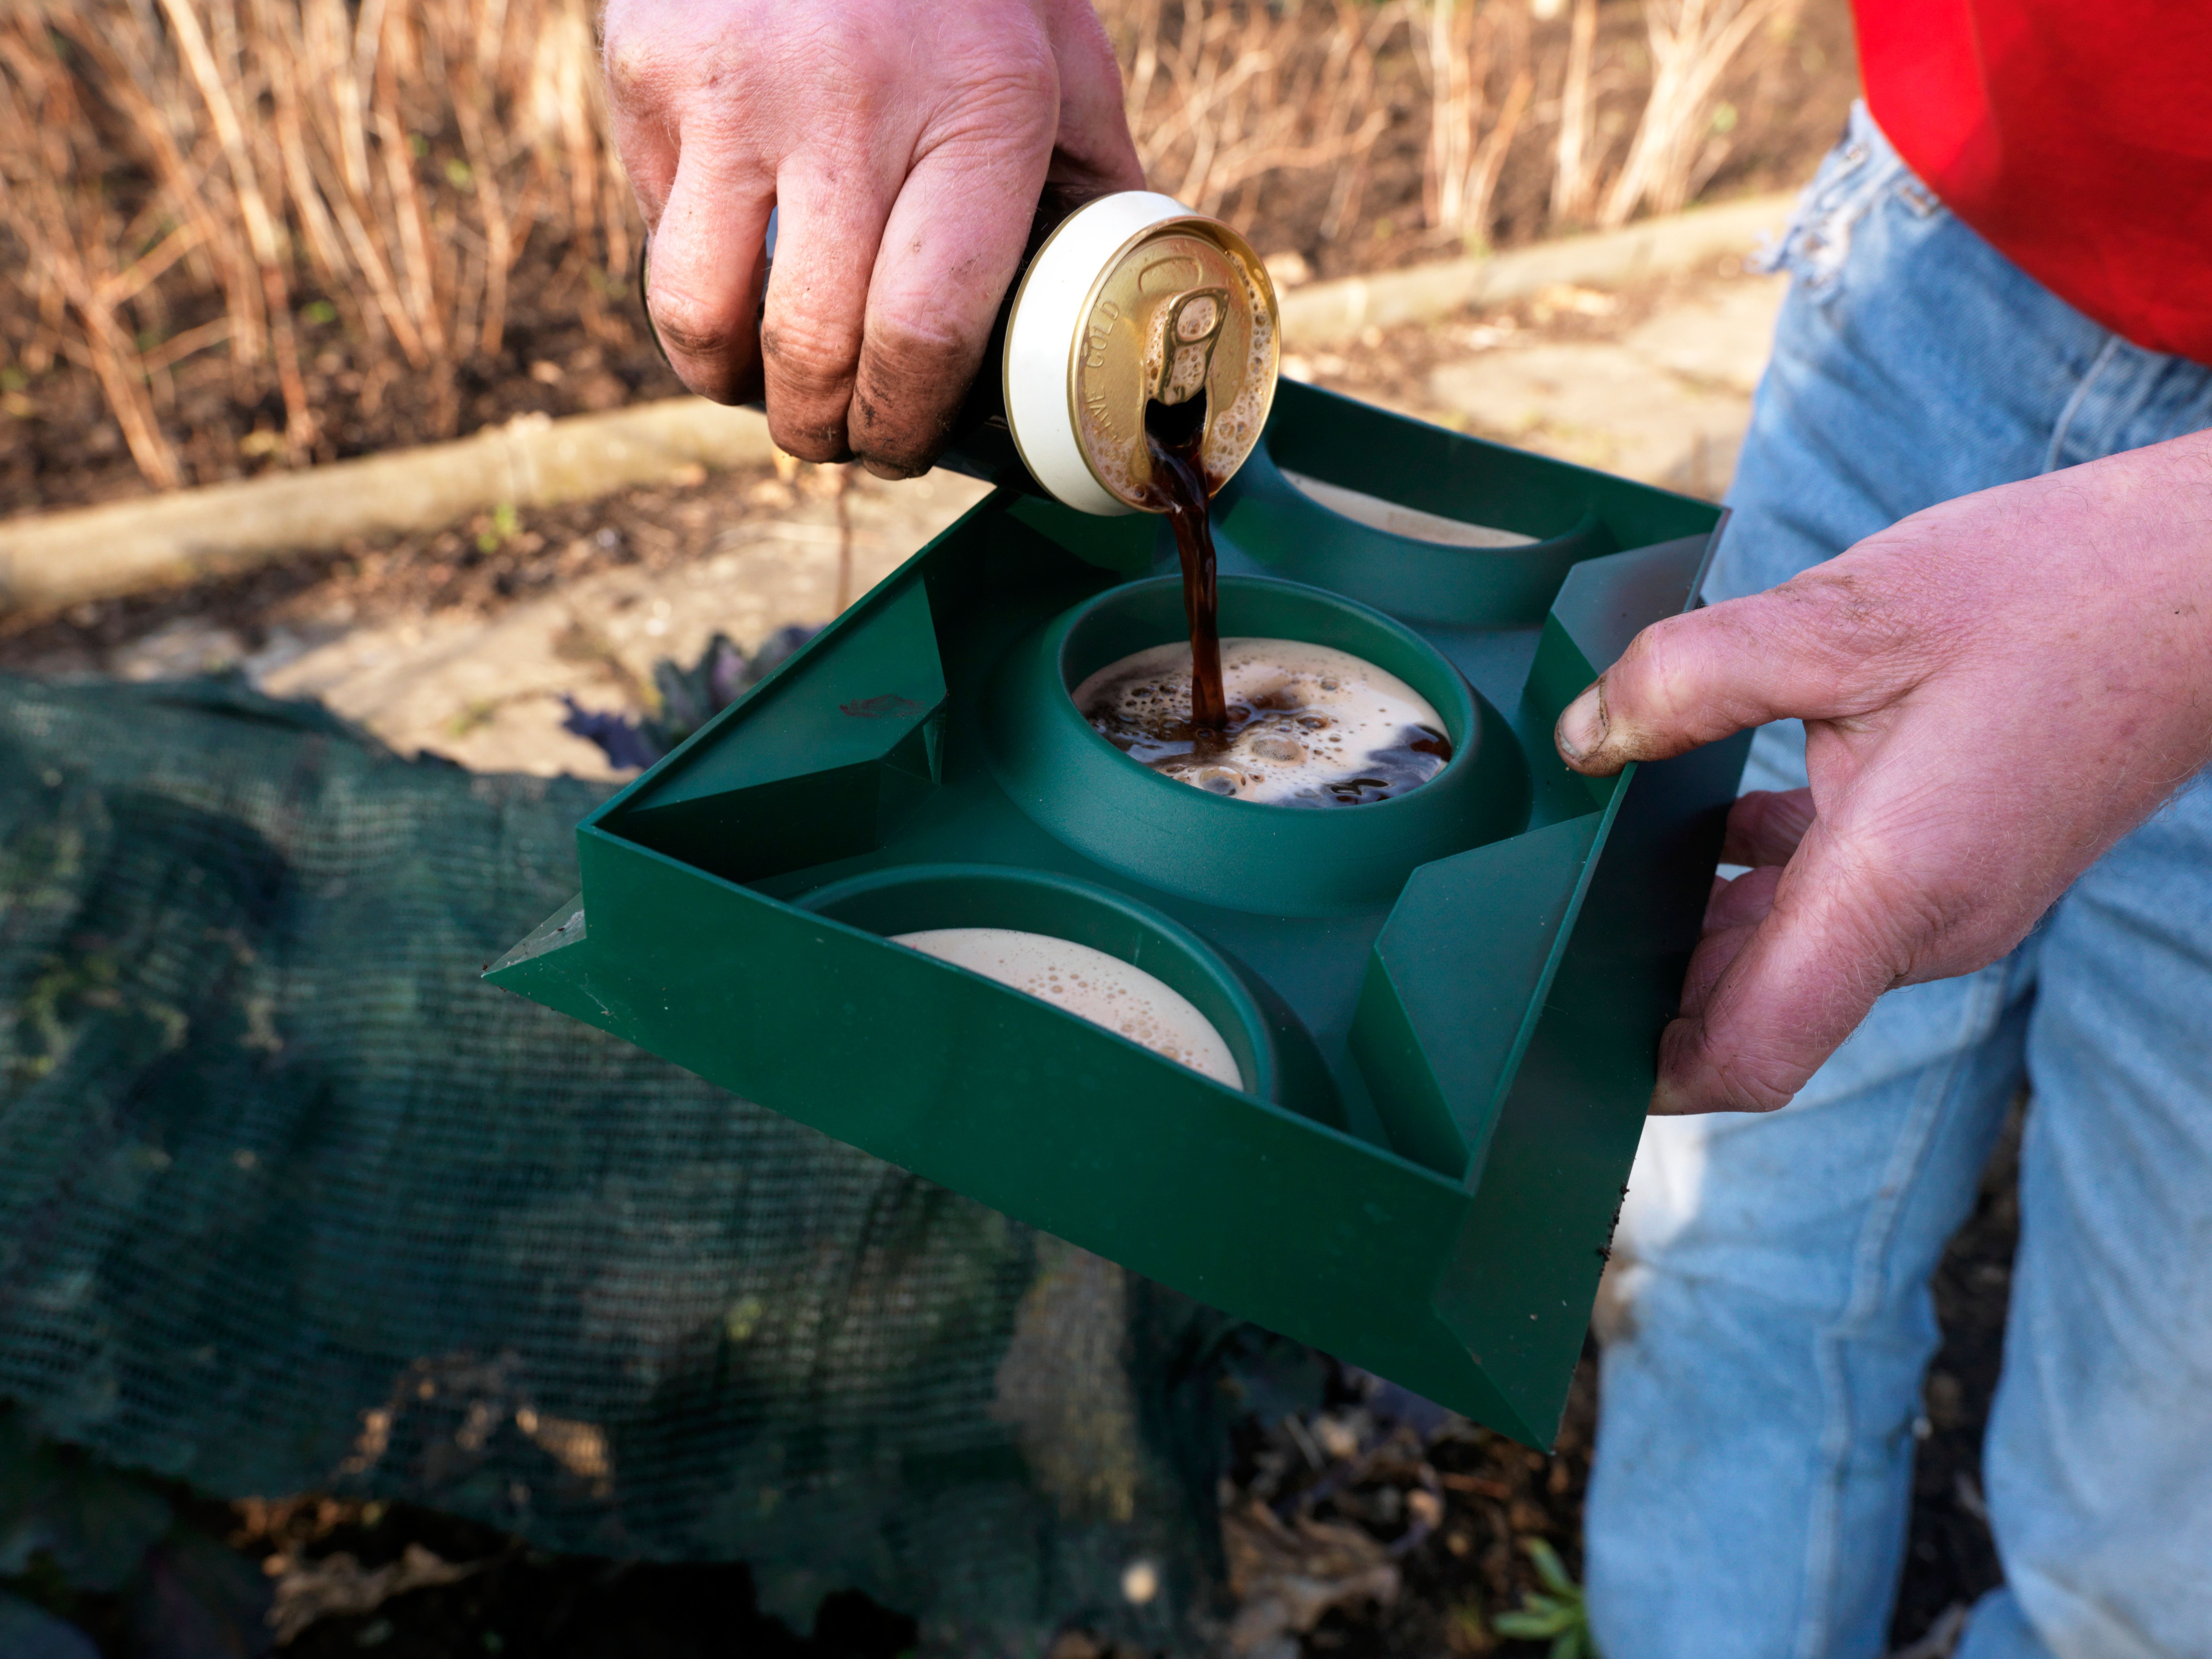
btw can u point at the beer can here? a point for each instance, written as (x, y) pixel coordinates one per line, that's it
(1135, 307)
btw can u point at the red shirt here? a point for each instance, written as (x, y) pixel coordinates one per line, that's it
(2075, 135)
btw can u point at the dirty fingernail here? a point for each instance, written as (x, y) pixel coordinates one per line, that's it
(1581, 728)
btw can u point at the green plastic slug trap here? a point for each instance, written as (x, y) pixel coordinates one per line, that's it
(1444, 1006)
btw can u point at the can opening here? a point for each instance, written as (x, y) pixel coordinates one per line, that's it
(1176, 426)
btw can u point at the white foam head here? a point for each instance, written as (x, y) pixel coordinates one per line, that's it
(1308, 724)
(1102, 989)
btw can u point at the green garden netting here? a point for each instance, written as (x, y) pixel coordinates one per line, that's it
(289, 1199)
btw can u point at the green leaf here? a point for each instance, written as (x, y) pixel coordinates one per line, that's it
(1537, 1616)
(1558, 1612)
(1550, 1568)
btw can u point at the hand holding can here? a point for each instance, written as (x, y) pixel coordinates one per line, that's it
(903, 149)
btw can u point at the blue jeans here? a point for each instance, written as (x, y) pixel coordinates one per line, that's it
(1755, 1444)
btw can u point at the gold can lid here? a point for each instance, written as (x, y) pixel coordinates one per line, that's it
(1183, 310)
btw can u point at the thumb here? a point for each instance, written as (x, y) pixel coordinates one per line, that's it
(1805, 650)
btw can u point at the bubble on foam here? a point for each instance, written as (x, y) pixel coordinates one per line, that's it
(1102, 989)
(1235, 428)
(1310, 726)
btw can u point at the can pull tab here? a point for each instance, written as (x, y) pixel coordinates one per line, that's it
(1194, 328)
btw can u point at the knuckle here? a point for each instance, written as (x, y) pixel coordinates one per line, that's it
(1939, 923)
(692, 327)
(636, 58)
(1022, 78)
(1880, 909)
(1014, 64)
(915, 370)
(1655, 679)
(629, 65)
(810, 357)
(1847, 620)
(1004, 101)
(921, 343)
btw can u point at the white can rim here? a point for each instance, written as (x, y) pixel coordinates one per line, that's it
(1041, 334)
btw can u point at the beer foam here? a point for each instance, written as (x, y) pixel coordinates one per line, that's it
(1308, 724)
(1102, 989)
(1232, 431)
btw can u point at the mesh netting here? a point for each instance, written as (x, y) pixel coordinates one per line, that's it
(289, 1198)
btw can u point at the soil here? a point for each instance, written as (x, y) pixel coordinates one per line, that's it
(527, 1604)
(509, 1601)
(571, 346)
(1472, 1565)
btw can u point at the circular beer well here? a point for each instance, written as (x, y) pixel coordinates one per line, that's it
(1509, 583)
(1307, 725)
(937, 897)
(1244, 855)
(1090, 985)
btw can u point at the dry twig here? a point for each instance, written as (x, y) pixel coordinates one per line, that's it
(392, 158)
(1468, 133)
(1692, 44)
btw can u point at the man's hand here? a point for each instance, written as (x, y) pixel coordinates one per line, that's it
(1994, 691)
(904, 145)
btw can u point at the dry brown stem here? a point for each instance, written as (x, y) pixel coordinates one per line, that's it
(71, 260)
(1692, 44)
(1469, 131)
(210, 164)
(1574, 181)
(1222, 97)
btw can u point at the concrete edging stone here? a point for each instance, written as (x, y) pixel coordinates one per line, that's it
(1323, 314)
(51, 560)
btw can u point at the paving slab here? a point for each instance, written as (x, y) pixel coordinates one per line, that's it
(1667, 403)
(487, 690)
